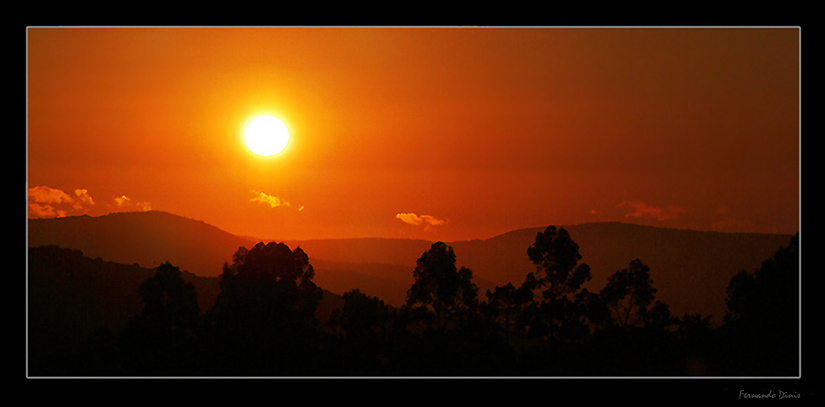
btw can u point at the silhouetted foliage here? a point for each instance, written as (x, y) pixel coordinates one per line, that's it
(263, 321)
(556, 257)
(560, 311)
(629, 297)
(361, 316)
(361, 330)
(442, 288)
(763, 314)
(505, 306)
(169, 302)
(76, 307)
(161, 341)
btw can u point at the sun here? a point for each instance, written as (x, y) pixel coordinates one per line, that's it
(266, 135)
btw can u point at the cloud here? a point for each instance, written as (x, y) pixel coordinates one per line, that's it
(44, 211)
(83, 198)
(46, 202)
(272, 200)
(48, 195)
(124, 202)
(416, 220)
(643, 210)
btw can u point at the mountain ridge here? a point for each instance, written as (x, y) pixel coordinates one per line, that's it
(147, 238)
(689, 268)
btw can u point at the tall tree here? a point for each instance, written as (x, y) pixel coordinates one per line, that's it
(269, 282)
(556, 257)
(160, 341)
(560, 308)
(168, 300)
(440, 287)
(629, 296)
(263, 321)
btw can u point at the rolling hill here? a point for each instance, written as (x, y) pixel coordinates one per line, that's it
(71, 297)
(146, 238)
(689, 268)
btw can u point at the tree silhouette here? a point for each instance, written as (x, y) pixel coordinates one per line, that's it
(272, 283)
(440, 287)
(361, 331)
(560, 310)
(770, 294)
(169, 301)
(160, 341)
(361, 317)
(556, 257)
(505, 306)
(763, 313)
(263, 320)
(629, 297)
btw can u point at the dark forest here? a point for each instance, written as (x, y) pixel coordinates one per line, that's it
(269, 319)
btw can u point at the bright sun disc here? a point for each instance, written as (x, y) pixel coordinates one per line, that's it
(266, 135)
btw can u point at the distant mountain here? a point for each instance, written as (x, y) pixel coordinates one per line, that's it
(689, 268)
(402, 252)
(146, 238)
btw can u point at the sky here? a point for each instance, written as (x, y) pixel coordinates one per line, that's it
(437, 133)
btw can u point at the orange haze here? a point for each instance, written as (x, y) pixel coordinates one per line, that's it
(434, 133)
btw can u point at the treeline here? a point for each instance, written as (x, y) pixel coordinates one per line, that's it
(264, 323)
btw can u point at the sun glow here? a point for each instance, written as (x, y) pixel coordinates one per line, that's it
(266, 135)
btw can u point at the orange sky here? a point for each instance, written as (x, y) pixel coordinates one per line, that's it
(475, 131)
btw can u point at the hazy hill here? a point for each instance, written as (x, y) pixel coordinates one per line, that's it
(70, 296)
(146, 238)
(402, 252)
(84, 292)
(689, 268)
(388, 282)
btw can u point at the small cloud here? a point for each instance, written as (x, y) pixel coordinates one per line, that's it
(416, 220)
(643, 210)
(272, 200)
(83, 198)
(124, 202)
